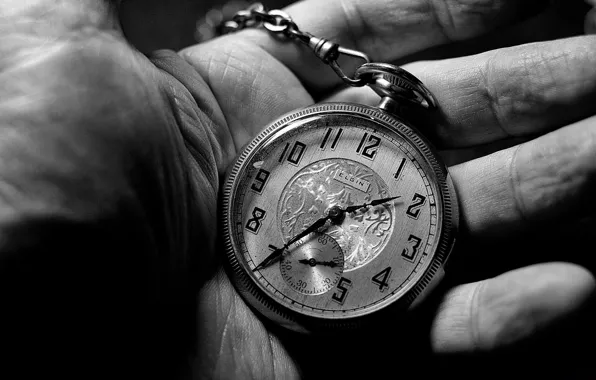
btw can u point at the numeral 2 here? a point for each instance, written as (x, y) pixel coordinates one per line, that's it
(381, 278)
(409, 253)
(417, 202)
(368, 146)
(260, 180)
(340, 296)
(254, 223)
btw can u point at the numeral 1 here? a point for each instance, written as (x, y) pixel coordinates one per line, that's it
(402, 164)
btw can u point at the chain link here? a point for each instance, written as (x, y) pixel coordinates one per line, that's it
(280, 24)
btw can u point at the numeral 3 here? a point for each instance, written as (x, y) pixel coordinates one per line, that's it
(409, 253)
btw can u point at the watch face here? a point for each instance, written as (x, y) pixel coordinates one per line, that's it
(335, 212)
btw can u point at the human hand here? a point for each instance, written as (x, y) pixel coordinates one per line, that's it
(119, 157)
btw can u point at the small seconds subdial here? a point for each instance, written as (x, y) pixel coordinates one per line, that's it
(314, 265)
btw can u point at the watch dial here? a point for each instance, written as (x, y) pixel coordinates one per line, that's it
(359, 261)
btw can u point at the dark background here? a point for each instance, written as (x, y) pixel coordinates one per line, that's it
(175, 24)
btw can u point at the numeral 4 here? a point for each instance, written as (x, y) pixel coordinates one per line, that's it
(381, 279)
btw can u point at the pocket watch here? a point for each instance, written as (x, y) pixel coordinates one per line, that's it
(338, 214)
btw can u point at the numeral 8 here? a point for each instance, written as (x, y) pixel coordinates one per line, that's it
(254, 224)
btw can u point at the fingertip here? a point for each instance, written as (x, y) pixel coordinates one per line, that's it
(521, 303)
(510, 308)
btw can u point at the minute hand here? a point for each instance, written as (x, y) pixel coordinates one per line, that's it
(376, 202)
(278, 252)
(312, 228)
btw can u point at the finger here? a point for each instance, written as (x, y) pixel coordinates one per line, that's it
(386, 30)
(569, 23)
(544, 180)
(590, 22)
(244, 78)
(506, 309)
(511, 92)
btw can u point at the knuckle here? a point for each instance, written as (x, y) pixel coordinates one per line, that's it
(477, 338)
(460, 19)
(519, 201)
(498, 101)
(524, 82)
(503, 316)
(356, 24)
(557, 174)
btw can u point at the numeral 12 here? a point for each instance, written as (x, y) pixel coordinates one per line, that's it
(368, 146)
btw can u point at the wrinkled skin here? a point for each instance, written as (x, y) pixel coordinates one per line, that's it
(110, 167)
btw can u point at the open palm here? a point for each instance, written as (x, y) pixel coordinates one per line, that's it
(132, 150)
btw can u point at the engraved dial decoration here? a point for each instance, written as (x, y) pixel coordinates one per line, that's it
(336, 212)
(314, 265)
(326, 183)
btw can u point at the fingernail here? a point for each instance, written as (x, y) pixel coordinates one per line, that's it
(590, 23)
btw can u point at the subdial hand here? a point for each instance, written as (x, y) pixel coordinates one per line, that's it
(314, 262)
